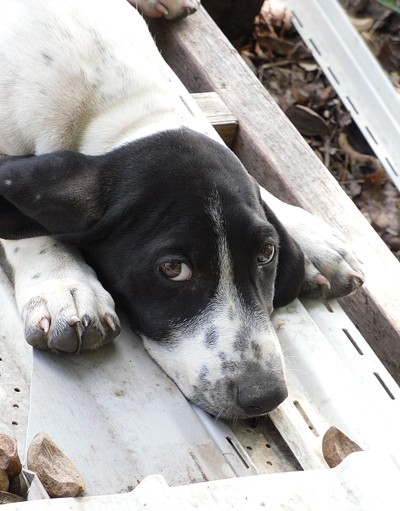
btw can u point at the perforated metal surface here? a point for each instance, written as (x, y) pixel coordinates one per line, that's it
(15, 367)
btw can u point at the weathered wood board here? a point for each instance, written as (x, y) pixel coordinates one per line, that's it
(274, 152)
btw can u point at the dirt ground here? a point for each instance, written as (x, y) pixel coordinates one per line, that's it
(286, 67)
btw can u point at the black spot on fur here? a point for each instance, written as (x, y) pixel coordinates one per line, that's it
(256, 349)
(241, 340)
(222, 355)
(36, 301)
(211, 338)
(204, 373)
(47, 58)
(229, 366)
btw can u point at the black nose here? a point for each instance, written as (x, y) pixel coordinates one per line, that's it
(256, 399)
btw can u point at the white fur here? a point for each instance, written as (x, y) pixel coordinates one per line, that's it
(95, 111)
(55, 94)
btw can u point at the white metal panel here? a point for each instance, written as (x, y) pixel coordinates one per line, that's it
(353, 486)
(355, 74)
(15, 367)
(120, 418)
(331, 383)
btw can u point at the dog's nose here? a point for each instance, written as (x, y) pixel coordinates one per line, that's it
(258, 399)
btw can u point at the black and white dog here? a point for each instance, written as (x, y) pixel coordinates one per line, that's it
(106, 167)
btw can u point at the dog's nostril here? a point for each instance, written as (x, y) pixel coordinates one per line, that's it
(257, 400)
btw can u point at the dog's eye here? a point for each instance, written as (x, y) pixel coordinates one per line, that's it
(176, 270)
(266, 255)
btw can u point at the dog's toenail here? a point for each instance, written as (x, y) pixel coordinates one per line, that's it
(111, 322)
(44, 325)
(86, 320)
(73, 321)
(322, 281)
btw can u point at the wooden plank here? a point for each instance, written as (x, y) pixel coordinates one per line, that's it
(218, 115)
(274, 152)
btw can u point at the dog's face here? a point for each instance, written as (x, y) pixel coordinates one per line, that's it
(177, 231)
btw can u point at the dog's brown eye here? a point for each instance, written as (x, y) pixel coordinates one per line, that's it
(176, 270)
(266, 255)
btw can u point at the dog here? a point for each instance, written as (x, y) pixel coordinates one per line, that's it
(110, 190)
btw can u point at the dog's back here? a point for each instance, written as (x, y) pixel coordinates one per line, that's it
(77, 76)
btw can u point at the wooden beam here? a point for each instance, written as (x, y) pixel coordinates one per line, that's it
(274, 152)
(218, 114)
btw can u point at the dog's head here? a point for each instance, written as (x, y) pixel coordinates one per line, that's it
(176, 229)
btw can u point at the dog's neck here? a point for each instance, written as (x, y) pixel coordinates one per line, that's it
(112, 127)
(157, 111)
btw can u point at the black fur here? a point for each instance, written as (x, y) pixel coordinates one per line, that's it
(144, 203)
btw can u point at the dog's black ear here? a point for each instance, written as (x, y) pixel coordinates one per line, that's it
(56, 193)
(290, 273)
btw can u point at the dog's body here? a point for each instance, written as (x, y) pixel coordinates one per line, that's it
(168, 217)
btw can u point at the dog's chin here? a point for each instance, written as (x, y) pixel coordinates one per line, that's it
(228, 412)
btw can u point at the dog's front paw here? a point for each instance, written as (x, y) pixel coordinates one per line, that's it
(331, 268)
(67, 315)
(331, 272)
(169, 9)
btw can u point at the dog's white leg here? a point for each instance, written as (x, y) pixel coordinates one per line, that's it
(169, 9)
(331, 268)
(61, 302)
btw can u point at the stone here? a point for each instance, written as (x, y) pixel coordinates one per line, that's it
(4, 481)
(9, 459)
(55, 470)
(336, 446)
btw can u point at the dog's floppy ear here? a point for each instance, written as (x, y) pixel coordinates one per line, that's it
(290, 273)
(54, 193)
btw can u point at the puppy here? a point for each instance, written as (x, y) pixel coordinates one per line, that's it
(107, 172)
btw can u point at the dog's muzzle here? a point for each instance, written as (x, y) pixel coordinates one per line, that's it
(258, 393)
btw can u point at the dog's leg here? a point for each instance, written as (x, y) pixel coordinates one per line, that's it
(169, 9)
(62, 304)
(331, 268)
